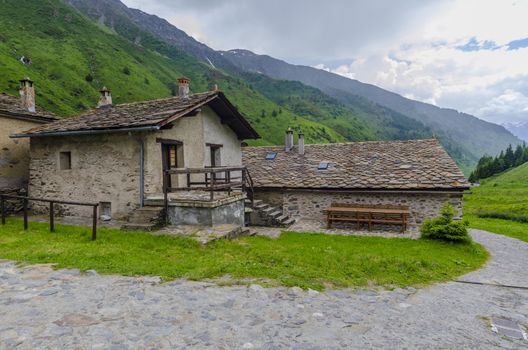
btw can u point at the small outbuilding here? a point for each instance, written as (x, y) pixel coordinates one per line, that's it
(126, 156)
(305, 180)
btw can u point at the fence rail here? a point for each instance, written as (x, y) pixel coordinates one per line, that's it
(52, 203)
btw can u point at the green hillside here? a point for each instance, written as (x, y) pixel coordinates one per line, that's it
(500, 203)
(73, 57)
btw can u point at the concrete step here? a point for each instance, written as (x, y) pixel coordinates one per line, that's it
(138, 227)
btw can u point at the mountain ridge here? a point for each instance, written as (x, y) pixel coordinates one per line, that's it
(342, 87)
(325, 112)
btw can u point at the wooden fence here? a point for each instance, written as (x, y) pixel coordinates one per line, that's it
(52, 203)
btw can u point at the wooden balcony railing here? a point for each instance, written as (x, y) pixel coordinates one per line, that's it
(210, 179)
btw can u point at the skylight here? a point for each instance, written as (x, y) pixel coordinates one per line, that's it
(271, 155)
(323, 166)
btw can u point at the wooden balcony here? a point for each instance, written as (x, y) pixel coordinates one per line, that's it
(225, 179)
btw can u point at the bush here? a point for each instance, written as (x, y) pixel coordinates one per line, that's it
(444, 228)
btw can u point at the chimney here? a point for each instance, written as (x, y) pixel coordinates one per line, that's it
(27, 94)
(301, 143)
(106, 98)
(183, 87)
(288, 145)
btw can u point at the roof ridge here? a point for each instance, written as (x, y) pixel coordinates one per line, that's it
(349, 143)
(164, 98)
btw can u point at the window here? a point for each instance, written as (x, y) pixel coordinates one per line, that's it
(65, 160)
(271, 155)
(216, 158)
(105, 211)
(323, 166)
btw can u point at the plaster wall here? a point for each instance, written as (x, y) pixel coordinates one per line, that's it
(14, 153)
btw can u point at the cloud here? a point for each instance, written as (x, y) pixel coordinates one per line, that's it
(465, 54)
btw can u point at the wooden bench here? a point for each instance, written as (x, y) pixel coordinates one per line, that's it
(368, 214)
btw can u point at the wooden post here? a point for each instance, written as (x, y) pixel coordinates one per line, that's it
(2, 205)
(52, 217)
(25, 214)
(94, 227)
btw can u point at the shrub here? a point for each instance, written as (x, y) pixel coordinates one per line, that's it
(445, 228)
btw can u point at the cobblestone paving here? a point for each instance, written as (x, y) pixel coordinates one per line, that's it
(45, 309)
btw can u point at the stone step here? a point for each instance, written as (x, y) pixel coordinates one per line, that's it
(282, 218)
(288, 222)
(255, 202)
(275, 214)
(268, 210)
(262, 206)
(138, 227)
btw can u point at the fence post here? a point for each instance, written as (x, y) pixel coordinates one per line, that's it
(94, 228)
(52, 217)
(2, 200)
(25, 214)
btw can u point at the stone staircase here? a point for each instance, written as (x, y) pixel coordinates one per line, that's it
(145, 219)
(264, 214)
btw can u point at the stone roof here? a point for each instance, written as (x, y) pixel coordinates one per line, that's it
(154, 114)
(376, 165)
(10, 106)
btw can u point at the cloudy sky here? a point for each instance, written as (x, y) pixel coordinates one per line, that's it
(471, 55)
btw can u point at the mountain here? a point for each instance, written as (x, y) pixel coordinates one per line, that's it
(474, 136)
(72, 57)
(78, 47)
(518, 129)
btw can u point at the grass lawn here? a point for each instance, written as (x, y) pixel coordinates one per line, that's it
(500, 204)
(295, 259)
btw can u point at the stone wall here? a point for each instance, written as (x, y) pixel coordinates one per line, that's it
(306, 205)
(14, 153)
(104, 168)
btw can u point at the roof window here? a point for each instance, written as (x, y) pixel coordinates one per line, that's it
(323, 166)
(271, 155)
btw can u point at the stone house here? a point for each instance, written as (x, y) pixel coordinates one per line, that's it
(303, 180)
(17, 115)
(116, 155)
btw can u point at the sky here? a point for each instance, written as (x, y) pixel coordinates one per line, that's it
(470, 55)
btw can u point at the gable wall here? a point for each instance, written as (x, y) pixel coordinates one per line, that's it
(194, 132)
(14, 153)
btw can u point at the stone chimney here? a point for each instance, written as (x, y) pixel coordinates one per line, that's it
(288, 144)
(27, 94)
(106, 98)
(183, 87)
(301, 143)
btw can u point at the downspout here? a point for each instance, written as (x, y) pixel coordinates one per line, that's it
(141, 173)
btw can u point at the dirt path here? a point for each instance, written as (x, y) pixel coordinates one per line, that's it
(42, 308)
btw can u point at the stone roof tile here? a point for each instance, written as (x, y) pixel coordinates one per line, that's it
(392, 165)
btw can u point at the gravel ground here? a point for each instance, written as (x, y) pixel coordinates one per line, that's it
(46, 309)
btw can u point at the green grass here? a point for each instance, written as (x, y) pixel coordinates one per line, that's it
(500, 204)
(295, 259)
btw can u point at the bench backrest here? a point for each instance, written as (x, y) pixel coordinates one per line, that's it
(373, 206)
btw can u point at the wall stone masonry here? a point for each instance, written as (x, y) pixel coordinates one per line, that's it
(309, 205)
(104, 168)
